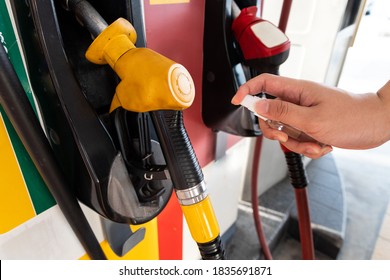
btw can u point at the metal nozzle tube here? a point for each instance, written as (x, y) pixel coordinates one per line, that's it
(86, 15)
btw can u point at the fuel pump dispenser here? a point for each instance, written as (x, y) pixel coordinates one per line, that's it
(151, 82)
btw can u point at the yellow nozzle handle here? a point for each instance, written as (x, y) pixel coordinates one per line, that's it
(150, 81)
(97, 51)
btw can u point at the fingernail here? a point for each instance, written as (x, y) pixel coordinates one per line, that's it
(282, 138)
(234, 101)
(327, 150)
(261, 107)
(312, 151)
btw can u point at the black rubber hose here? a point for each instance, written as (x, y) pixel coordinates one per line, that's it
(182, 162)
(296, 169)
(212, 250)
(18, 109)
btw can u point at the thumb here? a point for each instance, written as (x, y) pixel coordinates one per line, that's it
(279, 110)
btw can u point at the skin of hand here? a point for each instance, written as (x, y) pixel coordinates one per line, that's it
(330, 115)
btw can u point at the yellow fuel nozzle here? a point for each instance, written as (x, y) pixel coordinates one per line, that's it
(149, 81)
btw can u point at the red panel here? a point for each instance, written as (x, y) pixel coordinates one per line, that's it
(170, 231)
(176, 31)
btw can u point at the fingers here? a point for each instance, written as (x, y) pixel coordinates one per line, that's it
(243, 91)
(285, 88)
(271, 133)
(309, 149)
(252, 87)
(293, 106)
(274, 109)
(285, 112)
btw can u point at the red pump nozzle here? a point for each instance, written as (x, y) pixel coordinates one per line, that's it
(259, 38)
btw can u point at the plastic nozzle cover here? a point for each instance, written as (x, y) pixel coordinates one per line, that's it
(258, 38)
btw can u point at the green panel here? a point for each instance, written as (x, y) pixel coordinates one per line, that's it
(9, 41)
(40, 195)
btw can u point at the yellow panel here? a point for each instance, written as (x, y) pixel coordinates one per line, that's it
(147, 249)
(161, 2)
(15, 203)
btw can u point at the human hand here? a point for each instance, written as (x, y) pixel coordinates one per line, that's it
(329, 115)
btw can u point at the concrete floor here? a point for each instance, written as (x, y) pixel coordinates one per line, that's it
(367, 187)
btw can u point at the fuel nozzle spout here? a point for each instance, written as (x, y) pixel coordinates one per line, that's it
(86, 15)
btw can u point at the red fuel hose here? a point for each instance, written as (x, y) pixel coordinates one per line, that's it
(299, 182)
(255, 203)
(284, 15)
(305, 231)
